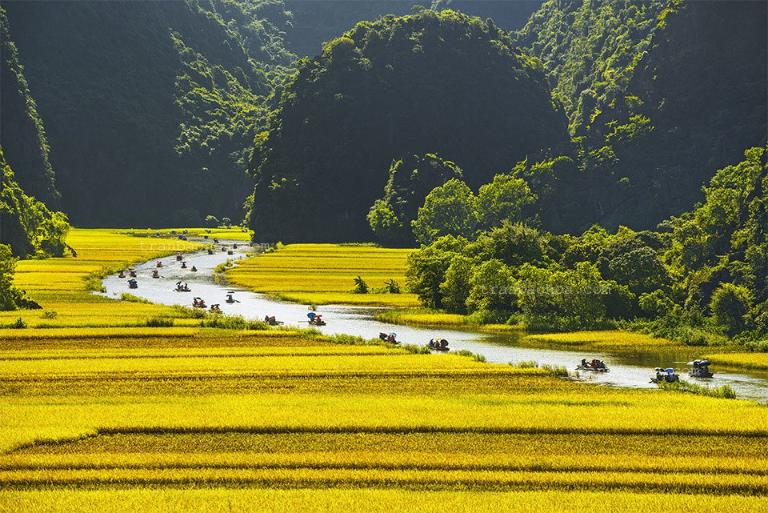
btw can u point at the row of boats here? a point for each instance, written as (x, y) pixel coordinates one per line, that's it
(698, 369)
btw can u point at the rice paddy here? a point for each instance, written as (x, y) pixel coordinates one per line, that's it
(609, 340)
(110, 414)
(324, 274)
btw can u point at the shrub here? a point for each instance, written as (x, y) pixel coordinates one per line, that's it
(50, 314)
(729, 304)
(18, 324)
(360, 286)
(159, 322)
(392, 287)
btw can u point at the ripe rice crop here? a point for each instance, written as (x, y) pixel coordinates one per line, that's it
(99, 412)
(747, 360)
(324, 274)
(613, 340)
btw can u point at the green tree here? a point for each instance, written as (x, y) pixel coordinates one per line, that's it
(8, 294)
(562, 299)
(448, 210)
(492, 288)
(454, 289)
(427, 268)
(730, 303)
(514, 244)
(503, 199)
(409, 181)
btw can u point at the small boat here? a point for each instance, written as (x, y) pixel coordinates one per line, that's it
(700, 369)
(317, 320)
(667, 375)
(440, 345)
(389, 337)
(271, 320)
(182, 287)
(592, 366)
(231, 298)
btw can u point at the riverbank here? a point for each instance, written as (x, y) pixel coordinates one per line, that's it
(120, 416)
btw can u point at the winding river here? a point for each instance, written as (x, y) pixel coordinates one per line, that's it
(628, 370)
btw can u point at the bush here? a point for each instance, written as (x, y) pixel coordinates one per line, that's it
(159, 322)
(18, 324)
(50, 314)
(392, 287)
(360, 286)
(729, 304)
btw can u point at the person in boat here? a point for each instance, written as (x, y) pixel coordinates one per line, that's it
(131, 273)
(155, 273)
(210, 251)
(159, 264)
(194, 269)
(230, 298)
(183, 265)
(133, 284)
(443, 344)
(198, 302)
(584, 363)
(179, 257)
(215, 308)
(121, 275)
(311, 316)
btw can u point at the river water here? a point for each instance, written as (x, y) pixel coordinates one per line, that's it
(628, 370)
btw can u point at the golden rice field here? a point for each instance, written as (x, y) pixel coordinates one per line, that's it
(607, 340)
(324, 274)
(60, 285)
(285, 421)
(99, 412)
(757, 361)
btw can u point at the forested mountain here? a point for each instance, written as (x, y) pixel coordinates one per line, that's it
(432, 82)
(22, 132)
(150, 106)
(659, 95)
(27, 226)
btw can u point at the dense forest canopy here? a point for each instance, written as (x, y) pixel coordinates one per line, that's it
(700, 276)
(150, 106)
(659, 95)
(22, 132)
(431, 82)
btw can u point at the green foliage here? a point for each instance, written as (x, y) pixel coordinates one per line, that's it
(23, 133)
(360, 286)
(427, 268)
(410, 180)
(392, 286)
(651, 114)
(562, 299)
(454, 289)
(445, 82)
(492, 288)
(159, 322)
(730, 304)
(503, 199)
(514, 244)
(25, 223)
(449, 209)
